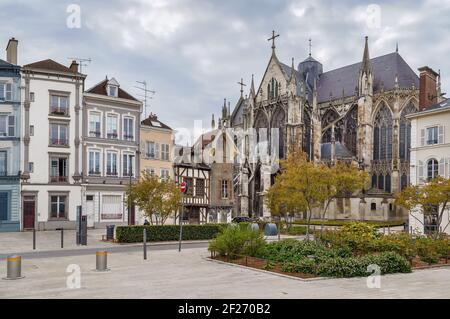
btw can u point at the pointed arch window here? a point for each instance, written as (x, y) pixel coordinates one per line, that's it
(405, 132)
(330, 117)
(272, 88)
(351, 123)
(382, 135)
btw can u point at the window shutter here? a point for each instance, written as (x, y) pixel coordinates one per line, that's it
(442, 167)
(143, 150)
(2, 92)
(422, 137)
(157, 150)
(11, 125)
(8, 92)
(447, 167)
(420, 168)
(441, 135)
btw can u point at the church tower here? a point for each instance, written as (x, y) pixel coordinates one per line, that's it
(365, 104)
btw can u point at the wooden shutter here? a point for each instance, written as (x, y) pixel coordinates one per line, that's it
(420, 172)
(441, 135)
(156, 150)
(447, 167)
(442, 167)
(8, 93)
(11, 125)
(422, 137)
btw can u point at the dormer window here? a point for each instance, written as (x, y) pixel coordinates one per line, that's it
(112, 88)
(112, 91)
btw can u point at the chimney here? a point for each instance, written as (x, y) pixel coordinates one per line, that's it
(11, 51)
(427, 87)
(74, 66)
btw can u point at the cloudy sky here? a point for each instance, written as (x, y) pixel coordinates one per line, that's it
(193, 52)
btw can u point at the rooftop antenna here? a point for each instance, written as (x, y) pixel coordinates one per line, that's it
(145, 96)
(82, 62)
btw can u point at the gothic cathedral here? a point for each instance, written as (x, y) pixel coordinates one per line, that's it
(354, 113)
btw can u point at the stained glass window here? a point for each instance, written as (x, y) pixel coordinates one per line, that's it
(382, 140)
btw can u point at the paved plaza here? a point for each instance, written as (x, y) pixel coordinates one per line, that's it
(170, 274)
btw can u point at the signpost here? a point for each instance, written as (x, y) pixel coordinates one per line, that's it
(183, 190)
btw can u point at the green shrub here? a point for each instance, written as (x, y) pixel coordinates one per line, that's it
(134, 234)
(294, 230)
(234, 241)
(388, 262)
(304, 265)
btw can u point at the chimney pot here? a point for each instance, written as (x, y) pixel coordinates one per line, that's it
(427, 87)
(11, 51)
(74, 66)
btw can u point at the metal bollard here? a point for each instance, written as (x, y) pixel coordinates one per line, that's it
(145, 243)
(101, 260)
(14, 268)
(62, 237)
(34, 239)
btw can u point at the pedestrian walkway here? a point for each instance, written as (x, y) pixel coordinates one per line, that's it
(170, 274)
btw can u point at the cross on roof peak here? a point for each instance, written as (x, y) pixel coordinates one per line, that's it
(310, 45)
(273, 39)
(242, 84)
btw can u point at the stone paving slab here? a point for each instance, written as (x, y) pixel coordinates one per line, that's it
(170, 274)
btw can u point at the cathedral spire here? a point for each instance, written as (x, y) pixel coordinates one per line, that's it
(293, 77)
(365, 67)
(224, 109)
(213, 123)
(252, 88)
(396, 47)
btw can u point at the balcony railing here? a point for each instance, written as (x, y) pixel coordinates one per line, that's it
(94, 172)
(150, 155)
(58, 179)
(55, 110)
(94, 134)
(112, 135)
(111, 173)
(59, 142)
(128, 137)
(431, 142)
(128, 174)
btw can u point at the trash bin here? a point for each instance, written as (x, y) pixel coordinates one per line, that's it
(270, 230)
(109, 232)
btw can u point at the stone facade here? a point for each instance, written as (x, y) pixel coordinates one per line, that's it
(354, 113)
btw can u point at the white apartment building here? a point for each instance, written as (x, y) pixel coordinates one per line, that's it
(111, 137)
(51, 138)
(430, 156)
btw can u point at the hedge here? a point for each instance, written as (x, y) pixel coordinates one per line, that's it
(389, 263)
(134, 234)
(375, 223)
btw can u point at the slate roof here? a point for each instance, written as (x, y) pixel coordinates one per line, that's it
(3, 63)
(50, 65)
(384, 69)
(207, 138)
(153, 121)
(341, 151)
(100, 89)
(444, 105)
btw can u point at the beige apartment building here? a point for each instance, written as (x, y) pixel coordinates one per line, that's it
(156, 147)
(430, 156)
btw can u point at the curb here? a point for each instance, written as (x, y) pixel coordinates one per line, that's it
(267, 272)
